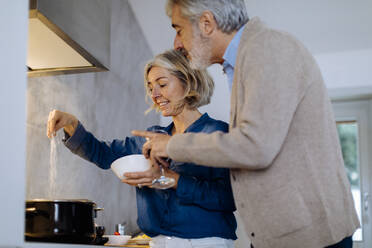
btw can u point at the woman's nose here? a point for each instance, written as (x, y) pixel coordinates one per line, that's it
(155, 92)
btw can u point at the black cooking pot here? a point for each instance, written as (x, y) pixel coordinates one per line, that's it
(62, 221)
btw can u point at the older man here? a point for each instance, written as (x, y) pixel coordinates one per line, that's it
(288, 174)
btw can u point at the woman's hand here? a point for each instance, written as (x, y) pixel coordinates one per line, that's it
(58, 119)
(140, 179)
(145, 178)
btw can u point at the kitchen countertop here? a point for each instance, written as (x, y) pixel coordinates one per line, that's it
(60, 245)
(57, 245)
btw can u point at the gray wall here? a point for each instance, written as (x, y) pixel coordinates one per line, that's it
(109, 104)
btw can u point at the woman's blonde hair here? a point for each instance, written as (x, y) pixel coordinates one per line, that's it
(198, 84)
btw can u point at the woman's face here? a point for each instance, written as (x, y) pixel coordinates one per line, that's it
(166, 91)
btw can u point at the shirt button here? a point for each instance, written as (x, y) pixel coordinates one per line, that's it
(166, 195)
(252, 234)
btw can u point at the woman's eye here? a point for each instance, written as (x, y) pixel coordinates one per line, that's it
(162, 85)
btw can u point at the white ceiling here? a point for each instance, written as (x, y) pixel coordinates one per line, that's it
(325, 26)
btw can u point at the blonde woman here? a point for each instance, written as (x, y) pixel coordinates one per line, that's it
(198, 210)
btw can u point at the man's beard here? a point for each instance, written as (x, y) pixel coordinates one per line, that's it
(201, 52)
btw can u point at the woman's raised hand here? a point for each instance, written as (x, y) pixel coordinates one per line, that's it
(58, 119)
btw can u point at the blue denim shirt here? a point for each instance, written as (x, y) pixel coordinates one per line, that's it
(201, 206)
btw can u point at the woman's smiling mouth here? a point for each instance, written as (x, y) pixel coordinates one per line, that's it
(162, 104)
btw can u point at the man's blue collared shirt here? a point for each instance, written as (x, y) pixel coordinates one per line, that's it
(201, 206)
(230, 57)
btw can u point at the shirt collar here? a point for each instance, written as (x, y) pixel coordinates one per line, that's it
(232, 49)
(199, 122)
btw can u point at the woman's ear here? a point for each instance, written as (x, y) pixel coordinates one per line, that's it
(207, 23)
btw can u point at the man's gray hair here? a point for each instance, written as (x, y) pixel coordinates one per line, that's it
(230, 15)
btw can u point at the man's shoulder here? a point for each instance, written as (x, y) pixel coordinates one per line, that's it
(258, 34)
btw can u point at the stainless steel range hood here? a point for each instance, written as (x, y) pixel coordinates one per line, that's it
(53, 52)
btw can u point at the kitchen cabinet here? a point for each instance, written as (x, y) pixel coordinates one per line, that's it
(13, 37)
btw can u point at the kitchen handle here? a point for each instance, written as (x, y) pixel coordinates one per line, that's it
(366, 201)
(95, 211)
(30, 210)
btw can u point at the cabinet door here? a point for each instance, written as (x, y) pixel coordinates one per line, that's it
(13, 50)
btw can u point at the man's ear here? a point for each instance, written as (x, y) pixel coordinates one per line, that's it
(207, 23)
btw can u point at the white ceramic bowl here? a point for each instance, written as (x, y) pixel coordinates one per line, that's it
(130, 163)
(117, 239)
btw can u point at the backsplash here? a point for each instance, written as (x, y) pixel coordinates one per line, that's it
(109, 104)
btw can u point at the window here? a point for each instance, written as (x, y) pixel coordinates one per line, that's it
(354, 125)
(348, 134)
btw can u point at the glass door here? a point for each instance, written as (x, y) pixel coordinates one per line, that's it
(352, 119)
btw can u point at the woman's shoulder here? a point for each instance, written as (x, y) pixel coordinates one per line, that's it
(217, 125)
